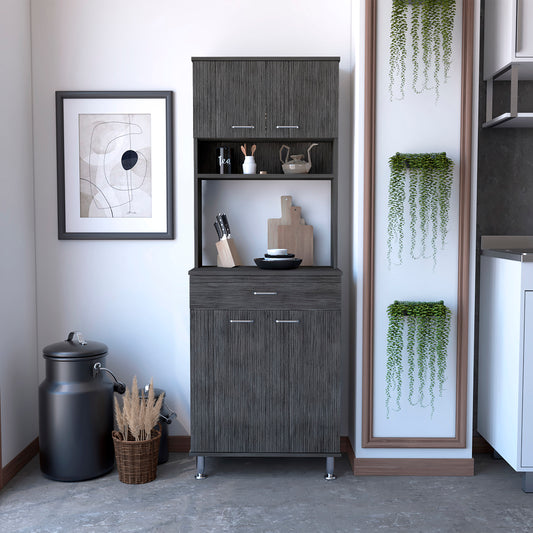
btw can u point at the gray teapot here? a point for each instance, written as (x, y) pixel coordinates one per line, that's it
(297, 164)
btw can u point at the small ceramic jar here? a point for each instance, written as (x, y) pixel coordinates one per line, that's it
(249, 166)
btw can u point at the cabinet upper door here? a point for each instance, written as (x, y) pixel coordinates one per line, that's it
(229, 99)
(301, 98)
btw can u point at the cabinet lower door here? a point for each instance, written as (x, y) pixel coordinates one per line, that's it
(310, 343)
(238, 384)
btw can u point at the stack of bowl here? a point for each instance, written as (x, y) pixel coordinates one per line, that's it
(277, 259)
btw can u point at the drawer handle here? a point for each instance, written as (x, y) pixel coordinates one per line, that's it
(241, 321)
(287, 127)
(258, 293)
(242, 127)
(287, 321)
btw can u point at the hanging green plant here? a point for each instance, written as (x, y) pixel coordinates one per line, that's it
(429, 190)
(430, 27)
(426, 347)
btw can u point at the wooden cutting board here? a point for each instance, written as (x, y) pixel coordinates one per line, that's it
(297, 237)
(273, 223)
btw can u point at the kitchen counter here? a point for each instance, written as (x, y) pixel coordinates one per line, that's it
(518, 254)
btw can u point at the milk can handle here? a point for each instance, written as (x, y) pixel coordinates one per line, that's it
(79, 337)
(118, 386)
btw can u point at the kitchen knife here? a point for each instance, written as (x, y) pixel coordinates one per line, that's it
(219, 231)
(226, 224)
(220, 222)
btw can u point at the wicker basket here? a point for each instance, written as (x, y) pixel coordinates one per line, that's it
(136, 459)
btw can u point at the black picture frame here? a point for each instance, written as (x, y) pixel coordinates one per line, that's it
(91, 133)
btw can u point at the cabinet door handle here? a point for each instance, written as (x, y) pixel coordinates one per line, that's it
(242, 127)
(287, 127)
(287, 321)
(258, 293)
(241, 321)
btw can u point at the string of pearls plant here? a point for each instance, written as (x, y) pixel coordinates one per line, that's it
(429, 190)
(430, 28)
(425, 326)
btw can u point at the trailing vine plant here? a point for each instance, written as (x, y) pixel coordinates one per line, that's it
(426, 328)
(428, 200)
(430, 27)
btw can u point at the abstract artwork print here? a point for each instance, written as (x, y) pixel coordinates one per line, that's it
(115, 165)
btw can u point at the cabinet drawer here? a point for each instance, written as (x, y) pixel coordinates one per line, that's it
(260, 294)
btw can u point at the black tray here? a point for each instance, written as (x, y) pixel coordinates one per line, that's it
(277, 265)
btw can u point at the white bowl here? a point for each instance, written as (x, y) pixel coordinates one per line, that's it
(277, 251)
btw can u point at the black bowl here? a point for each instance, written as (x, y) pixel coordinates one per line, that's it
(286, 256)
(277, 265)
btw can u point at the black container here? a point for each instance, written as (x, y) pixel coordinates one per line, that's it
(75, 411)
(165, 418)
(224, 160)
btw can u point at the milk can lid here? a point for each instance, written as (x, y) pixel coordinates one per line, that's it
(74, 347)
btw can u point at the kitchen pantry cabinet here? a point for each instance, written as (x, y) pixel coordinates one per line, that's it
(249, 98)
(265, 344)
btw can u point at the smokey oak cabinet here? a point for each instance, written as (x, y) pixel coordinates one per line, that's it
(265, 344)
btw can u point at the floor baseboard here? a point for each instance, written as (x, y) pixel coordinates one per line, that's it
(179, 443)
(19, 462)
(413, 467)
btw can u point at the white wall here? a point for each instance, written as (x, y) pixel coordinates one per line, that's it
(18, 344)
(134, 295)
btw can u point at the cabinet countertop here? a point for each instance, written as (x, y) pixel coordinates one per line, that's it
(255, 271)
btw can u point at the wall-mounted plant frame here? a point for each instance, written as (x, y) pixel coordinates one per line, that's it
(429, 24)
(417, 349)
(368, 439)
(426, 180)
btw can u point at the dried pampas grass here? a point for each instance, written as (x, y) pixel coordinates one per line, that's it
(139, 414)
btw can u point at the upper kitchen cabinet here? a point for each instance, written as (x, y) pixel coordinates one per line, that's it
(508, 60)
(508, 37)
(259, 98)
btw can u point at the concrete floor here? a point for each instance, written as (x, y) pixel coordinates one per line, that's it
(269, 495)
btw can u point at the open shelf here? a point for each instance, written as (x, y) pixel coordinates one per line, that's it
(266, 156)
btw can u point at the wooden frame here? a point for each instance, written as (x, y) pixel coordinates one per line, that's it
(114, 164)
(368, 438)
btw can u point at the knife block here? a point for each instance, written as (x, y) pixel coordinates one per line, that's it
(227, 257)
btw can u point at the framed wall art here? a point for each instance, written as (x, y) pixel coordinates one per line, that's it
(114, 164)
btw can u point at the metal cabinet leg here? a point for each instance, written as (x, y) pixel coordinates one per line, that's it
(200, 467)
(330, 468)
(527, 481)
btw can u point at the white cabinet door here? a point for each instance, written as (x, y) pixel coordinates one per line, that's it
(524, 28)
(527, 384)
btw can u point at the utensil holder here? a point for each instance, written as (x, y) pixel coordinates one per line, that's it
(228, 257)
(249, 166)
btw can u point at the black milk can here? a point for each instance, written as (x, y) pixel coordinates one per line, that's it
(76, 411)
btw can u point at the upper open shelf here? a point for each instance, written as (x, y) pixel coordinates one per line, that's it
(266, 157)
